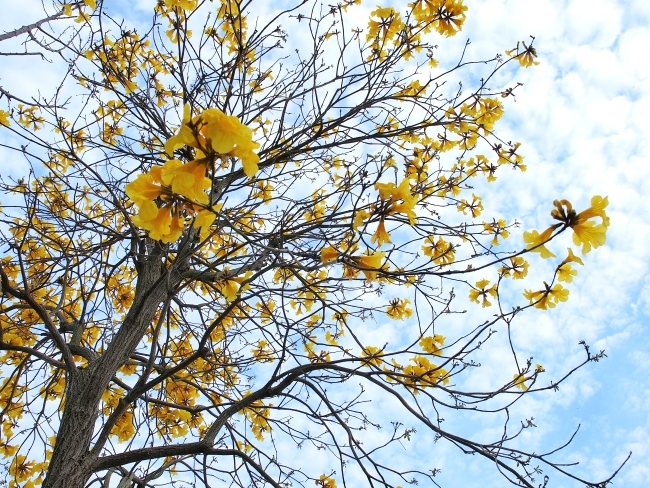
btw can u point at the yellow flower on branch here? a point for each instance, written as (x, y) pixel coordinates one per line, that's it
(326, 482)
(389, 191)
(4, 118)
(519, 381)
(548, 298)
(440, 251)
(203, 221)
(21, 468)
(585, 232)
(475, 206)
(329, 254)
(536, 241)
(424, 373)
(213, 132)
(370, 264)
(518, 268)
(398, 309)
(380, 236)
(482, 291)
(433, 344)
(498, 228)
(589, 235)
(526, 57)
(187, 179)
(566, 273)
(572, 258)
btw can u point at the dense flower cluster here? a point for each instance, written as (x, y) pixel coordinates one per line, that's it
(167, 196)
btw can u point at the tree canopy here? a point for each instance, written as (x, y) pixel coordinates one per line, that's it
(223, 207)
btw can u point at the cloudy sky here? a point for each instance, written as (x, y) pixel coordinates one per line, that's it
(579, 117)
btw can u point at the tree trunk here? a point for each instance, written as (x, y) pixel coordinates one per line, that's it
(72, 463)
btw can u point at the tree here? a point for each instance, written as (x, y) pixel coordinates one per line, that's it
(210, 223)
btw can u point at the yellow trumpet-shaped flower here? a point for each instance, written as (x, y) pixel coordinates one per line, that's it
(440, 251)
(572, 258)
(433, 344)
(589, 235)
(586, 232)
(545, 299)
(597, 209)
(187, 179)
(369, 264)
(519, 381)
(482, 291)
(203, 221)
(380, 236)
(566, 273)
(328, 254)
(214, 132)
(535, 242)
(184, 135)
(398, 309)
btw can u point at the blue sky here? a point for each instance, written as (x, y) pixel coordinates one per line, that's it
(581, 118)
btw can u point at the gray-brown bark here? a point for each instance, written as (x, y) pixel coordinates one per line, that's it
(72, 461)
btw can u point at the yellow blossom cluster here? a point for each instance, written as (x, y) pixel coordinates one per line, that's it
(586, 232)
(440, 251)
(517, 268)
(258, 414)
(83, 14)
(170, 194)
(326, 481)
(444, 16)
(525, 56)
(423, 373)
(383, 27)
(479, 294)
(548, 297)
(433, 344)
(398, 309)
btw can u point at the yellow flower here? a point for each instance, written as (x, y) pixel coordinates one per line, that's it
(372, 353)
(4, 118)
(518, 267)
(187, 179)
(527, 57)
(475, 206)
(398, 309)
(380, 236)
(326, 482)
(359, 217)
(545, 299)
(589, 235)
(498, 228)
(572, 258)
(369, 264)
(146, 188)
(519, 381)
(536, 241)
(566, 273)
(585, 232)
(7, 450)
(20, 468)
(328, 254)
(433, 344)
(481, 290)
(214, 131)
(203, 221)
(440, 251)
(250, 160)
(184, 135)
(597, 209)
